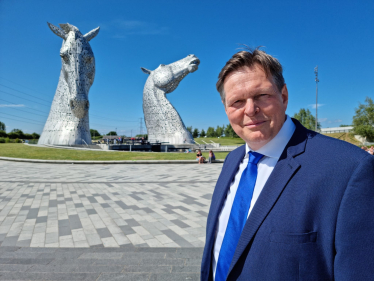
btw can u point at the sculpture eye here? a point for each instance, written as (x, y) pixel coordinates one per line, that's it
(89, 59)
(162, 64)
(64, 56)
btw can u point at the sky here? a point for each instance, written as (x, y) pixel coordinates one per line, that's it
(338, 36)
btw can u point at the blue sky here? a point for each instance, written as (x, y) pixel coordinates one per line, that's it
(335, 35)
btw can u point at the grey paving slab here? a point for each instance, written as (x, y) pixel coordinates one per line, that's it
(103, 222)
(124, 277)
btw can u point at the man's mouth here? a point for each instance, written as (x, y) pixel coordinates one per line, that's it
(254, 124)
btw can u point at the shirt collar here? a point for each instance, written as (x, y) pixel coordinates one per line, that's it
(275, 147)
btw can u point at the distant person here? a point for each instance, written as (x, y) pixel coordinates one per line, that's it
(199, 157)
(371, 150)
(212, 157)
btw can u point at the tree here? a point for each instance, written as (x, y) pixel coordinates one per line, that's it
(229, 132)
(35, 136)
(189, 129)
(28, 136)
(306, 118)
(345, 125)
(220, 130)
(363, 121)
(112, 133)
(210, 133)
(195, 133)
(2, 126)
(16, 133)
(94, 133)
(3, 134)
(202, 134)
(145, 136)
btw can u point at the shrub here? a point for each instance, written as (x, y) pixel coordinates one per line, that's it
(3, 134)
(7, 140)
(2, 140)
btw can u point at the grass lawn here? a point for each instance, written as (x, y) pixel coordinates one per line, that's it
(223, 141)
(18, 150)
(348, 137)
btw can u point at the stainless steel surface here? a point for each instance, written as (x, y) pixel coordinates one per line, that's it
(162, 120)
(68, 120)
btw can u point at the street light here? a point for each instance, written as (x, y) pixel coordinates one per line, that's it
(316, 73)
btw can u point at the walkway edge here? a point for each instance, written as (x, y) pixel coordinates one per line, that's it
(104, 162)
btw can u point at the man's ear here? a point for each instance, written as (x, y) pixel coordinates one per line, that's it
(284, 94)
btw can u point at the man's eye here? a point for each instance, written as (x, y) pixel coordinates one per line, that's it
(262, 96)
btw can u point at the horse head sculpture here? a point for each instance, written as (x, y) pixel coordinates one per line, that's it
(162, 120)
(67, 122)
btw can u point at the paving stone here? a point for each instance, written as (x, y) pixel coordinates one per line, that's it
(41, 219)
(187, 268)
(10, 241)
(124, 276)
(147, 268)
(42, 261)
(64, 230)
(14, 267)
(101, 256)
(162, 262)
(48, 276)
(174, 277)
(75, 222)
(104, 232)
(99, 268)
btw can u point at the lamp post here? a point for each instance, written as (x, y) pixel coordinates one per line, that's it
(316, 73)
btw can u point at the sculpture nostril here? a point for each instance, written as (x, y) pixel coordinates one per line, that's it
(71, 104)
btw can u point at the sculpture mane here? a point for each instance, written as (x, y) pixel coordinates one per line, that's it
(161, 118)
(68, 120)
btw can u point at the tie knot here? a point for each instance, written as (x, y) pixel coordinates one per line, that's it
(254, 157)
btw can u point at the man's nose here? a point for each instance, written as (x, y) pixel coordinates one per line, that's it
(250, 107)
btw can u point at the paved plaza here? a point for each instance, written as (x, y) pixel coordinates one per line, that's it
(103, 222)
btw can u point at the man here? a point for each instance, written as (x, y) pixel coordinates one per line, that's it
(291, 204)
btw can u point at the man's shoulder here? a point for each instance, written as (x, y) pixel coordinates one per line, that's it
(322, 144)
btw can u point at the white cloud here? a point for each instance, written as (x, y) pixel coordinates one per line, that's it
(314, 105)
(131, 27)
(336, 121)
(12, 105)
(328, 121)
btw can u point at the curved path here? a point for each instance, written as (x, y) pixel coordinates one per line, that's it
(102, 222)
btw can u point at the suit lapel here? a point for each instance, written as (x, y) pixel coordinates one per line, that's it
(284, 170)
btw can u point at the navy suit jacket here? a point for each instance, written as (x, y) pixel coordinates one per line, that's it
(314, 219)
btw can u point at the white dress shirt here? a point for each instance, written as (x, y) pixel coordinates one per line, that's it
(271, 151)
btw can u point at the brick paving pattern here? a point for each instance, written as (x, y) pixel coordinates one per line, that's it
(103, 222)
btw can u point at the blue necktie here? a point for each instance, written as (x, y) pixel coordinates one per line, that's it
(238, 216)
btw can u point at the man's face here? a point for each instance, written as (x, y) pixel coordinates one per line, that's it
(255, 107)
